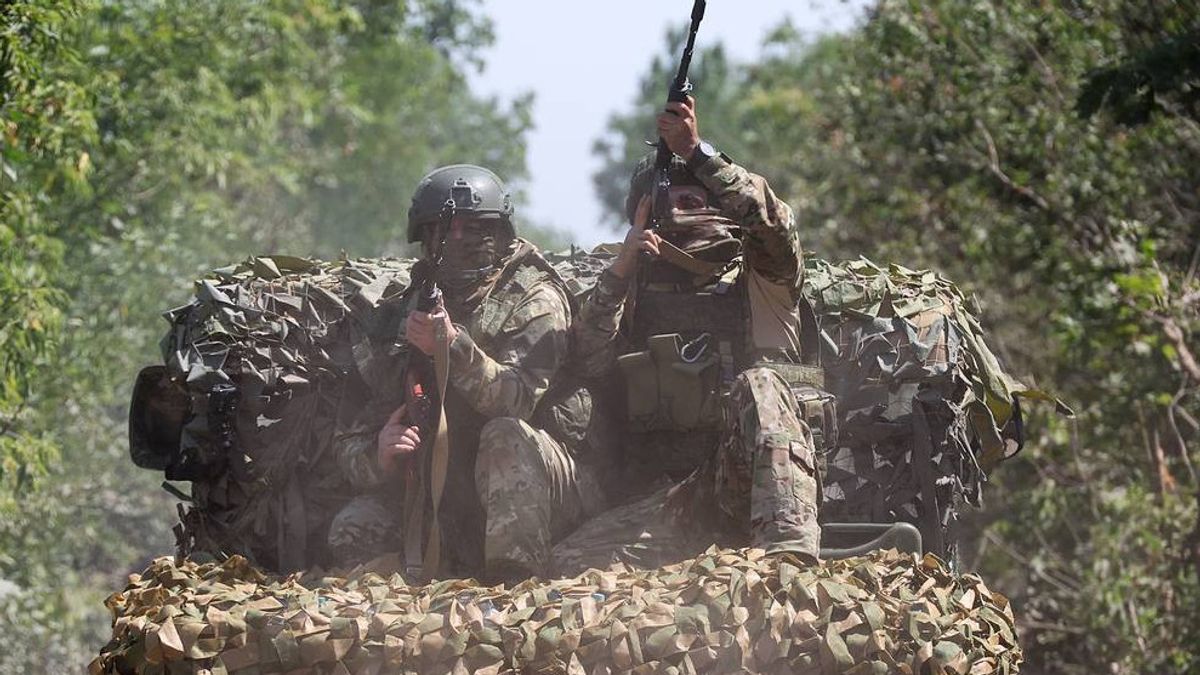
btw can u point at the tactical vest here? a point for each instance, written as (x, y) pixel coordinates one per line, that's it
(691, 326)
(691, 337)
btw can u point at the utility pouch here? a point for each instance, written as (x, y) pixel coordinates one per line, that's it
(819, 409)
(675, 385)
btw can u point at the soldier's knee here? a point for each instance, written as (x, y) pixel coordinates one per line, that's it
(504, 442)
(362, 529)
(766, 410)
(504, 436)
(502, 429)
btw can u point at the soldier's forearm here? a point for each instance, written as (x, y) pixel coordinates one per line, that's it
(770, 233)
(356, 458)
(599, 322)
(494, 389)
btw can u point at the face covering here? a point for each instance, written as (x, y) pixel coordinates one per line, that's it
(473, 255)
(704, 233)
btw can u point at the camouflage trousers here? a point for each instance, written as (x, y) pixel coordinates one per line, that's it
(532, 490)
(366, 528)
(761, 483)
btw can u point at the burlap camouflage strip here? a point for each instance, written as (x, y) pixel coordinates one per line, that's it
(724, 611)
(862, 300)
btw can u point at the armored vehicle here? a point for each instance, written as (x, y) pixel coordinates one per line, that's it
(245, 405)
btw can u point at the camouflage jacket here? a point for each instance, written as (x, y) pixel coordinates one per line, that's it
(510, 347)
(770, 259)
(770, 244)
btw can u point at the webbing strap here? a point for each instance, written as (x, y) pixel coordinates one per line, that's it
(922, 460)
(682, 259)
(414, 513)
(440, 464)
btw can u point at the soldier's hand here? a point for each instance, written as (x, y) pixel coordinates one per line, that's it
(637, 241)
(421, 329)
(677, 126)
(396, 440)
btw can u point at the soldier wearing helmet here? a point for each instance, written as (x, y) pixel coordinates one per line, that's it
(520, 432)
(699, 321)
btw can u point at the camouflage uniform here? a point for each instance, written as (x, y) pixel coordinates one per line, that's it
(521, 435)
(756, 478)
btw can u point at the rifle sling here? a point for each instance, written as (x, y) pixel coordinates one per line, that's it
(439, 465)
(414, 514)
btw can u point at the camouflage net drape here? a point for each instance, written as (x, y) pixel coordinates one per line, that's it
(722, 612)
(921, 399)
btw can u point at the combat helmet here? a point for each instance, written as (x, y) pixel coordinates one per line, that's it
(472, 189)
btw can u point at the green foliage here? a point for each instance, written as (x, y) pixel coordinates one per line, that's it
(144, 143)
(1162, 77)
(948, 134)
(45, 124)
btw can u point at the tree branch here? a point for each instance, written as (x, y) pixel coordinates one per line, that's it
(1177, 436)
(1046, 69)
(1163, 482)
(1187, 417)
(998, 172)
(1178, 340)
(1070, 587)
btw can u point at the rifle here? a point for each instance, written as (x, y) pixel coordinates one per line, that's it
(422, 380)
(677, 93)
(429, 378)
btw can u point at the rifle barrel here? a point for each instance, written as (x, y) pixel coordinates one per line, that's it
(685, 62)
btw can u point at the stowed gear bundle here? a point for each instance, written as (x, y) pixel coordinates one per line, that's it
(724, 611)
(924, 407)
(256, 369)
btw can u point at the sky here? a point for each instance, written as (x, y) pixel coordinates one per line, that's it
(582, 61)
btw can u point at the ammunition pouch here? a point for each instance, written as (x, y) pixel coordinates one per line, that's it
(819, 410)
(674, 385)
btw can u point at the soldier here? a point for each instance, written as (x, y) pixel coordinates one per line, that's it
(708, 304)
(520, 433)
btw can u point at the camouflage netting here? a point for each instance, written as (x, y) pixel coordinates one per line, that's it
(722, 612)
(299, 339)
(925, 410)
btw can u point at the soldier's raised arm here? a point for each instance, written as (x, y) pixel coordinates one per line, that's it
(770, 235)
(597, 330)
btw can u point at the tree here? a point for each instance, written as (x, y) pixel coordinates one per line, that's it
(45, 125)
(948, 134)
(150, 142)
